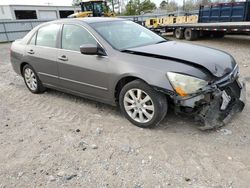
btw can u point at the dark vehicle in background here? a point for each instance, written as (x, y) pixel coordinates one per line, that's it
(121, 63)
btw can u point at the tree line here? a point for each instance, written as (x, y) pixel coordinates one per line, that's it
(136, 7)
(139, 7)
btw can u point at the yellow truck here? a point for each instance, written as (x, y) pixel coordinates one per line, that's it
(93, 8)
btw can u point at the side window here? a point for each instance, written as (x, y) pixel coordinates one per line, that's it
(74, 36)
(47, 35)
(33, 40)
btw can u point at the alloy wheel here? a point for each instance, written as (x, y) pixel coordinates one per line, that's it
(30, 79)
(139, 105)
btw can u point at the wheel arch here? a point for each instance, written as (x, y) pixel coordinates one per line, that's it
(21, 67)
(125, 79)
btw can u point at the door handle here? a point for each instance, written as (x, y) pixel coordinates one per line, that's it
(31, 51)
(63, 58)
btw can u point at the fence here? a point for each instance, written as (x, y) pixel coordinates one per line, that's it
(12, 30)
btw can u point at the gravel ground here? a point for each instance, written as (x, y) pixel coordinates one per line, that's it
(59, 140)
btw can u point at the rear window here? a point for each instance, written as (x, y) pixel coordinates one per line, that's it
(47, 35)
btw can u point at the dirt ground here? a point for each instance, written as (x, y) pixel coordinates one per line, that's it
(59, 140)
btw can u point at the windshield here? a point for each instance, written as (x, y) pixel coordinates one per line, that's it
(123, 35)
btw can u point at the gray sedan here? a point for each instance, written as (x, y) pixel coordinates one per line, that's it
(119, 62)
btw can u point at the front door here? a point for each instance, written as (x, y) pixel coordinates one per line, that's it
(85, 74)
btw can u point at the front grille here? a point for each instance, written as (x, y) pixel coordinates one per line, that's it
(233, 89)
(230, 85)
(229, 78)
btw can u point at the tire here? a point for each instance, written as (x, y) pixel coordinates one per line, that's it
(32, 80)
(190, 34)
(154, 106)
(179, 33)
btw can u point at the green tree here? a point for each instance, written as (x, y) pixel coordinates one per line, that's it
(203, 2)
(146, 6)
(172, 6)
(130, 8)
(135, 7)
(190, 5)
(163, 4)
(112, 4)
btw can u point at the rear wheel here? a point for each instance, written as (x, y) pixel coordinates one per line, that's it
(179, 33)
(190, 34)
(32, 80)
(142, 105)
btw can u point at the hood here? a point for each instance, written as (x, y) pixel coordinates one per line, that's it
(217, 62)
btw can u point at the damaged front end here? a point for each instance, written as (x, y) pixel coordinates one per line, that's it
(215, 105)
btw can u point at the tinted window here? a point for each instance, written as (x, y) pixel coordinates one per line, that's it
(47, 35)
(74, 36)
(33, 40)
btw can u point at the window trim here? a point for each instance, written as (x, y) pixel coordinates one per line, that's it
(75, 24)
(34, 34)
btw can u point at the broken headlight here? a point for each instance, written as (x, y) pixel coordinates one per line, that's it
(184, 84)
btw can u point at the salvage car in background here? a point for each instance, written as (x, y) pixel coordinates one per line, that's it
(116, 61)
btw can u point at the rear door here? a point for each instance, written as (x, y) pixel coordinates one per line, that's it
(42, 53)
(85, 74)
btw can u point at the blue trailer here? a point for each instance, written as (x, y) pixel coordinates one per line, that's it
(225, 12)
(215, 20)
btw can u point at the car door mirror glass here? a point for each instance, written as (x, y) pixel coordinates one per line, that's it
(88, 49)
(91, 49)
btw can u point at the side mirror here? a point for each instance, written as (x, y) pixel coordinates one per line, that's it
(91, 49)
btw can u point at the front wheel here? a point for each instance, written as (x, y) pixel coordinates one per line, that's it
(142, 105)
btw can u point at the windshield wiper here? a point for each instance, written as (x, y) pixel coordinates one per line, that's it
(127, 51)
(161, 41)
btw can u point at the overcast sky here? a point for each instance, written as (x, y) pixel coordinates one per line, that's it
(52, 2)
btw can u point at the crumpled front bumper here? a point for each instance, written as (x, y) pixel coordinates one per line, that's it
(212, 109)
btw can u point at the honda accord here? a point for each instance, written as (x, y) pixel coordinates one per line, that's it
(119, 62)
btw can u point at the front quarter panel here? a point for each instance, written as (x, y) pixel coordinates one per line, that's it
(151, 70)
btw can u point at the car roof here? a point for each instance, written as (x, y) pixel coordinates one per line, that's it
(89, 20)
(99, 19)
